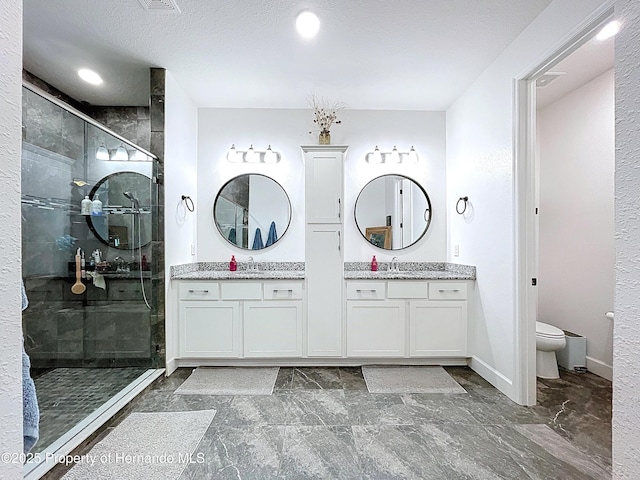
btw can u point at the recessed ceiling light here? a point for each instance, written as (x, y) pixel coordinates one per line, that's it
(307, 24)
(89, 76)
(609, 30)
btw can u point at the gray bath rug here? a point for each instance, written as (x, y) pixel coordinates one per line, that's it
(145, 445)
(410, 380)
(230, 381)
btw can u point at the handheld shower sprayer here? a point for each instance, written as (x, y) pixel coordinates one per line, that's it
(135, 203)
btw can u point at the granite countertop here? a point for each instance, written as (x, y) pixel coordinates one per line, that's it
(409, 271)
(220, 271)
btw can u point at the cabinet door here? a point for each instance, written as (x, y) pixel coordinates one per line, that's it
(438, 328)
(209, 329)
(376, 329)
(323, 187)
(324, 291)
(273, 329)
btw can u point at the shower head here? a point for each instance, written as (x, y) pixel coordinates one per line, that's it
(134, 201)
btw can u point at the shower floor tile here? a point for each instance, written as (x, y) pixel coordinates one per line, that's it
(68, 395)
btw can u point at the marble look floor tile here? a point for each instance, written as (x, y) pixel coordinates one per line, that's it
(166, 401)
(379, 409)
(326, 407)
(320, 453)
(490, 407)
(316, 378)
(545, 452)
(174, 380)
(248, 453)
(467, 378)
(255, 410)
(438, 408)
(284, 380)
(428, 452)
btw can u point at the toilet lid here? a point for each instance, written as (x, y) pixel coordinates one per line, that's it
(546, 330)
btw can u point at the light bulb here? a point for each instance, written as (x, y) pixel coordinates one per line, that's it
(413, 155)
(609, 30)
(376, 156)
(395, 156)
(307, 24)
(270, 156)
(232, 154)
(250, 156)
(89, 76)
(102, 153)
(120, 153)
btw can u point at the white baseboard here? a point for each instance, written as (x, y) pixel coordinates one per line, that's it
(314, 362)
(600, 368)
(171, 367)
(493, 376)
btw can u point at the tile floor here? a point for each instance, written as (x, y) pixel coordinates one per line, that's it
(68, 395)
(322, 423)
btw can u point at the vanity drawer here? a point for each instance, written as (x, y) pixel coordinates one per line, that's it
(199, 291)
(447, 291)
(404, 289)
(282, 291)
(241, 290)
(365, 291)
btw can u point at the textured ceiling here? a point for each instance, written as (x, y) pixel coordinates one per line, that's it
(370, 54)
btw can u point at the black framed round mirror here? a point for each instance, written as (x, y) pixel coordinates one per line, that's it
(252, 211)
(393, 212)
(123, 220)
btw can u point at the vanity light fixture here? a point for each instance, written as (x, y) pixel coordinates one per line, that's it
(102, 153)
(137, 156)
(252, 155)
(120, 153)
(394, 156)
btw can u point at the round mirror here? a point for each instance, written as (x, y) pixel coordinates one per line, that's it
(122, 217)
(393, 212)
(252, 211)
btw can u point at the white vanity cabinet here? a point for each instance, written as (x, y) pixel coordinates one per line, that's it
(235, 319)
(208, 327)
(407, 318)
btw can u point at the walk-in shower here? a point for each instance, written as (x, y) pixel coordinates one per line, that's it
(85, 348)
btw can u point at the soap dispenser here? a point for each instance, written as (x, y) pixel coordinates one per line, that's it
(96, 206)
(233, 265)
(374, 264)
(85, 206)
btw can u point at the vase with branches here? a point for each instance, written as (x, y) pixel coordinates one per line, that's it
(325, 114)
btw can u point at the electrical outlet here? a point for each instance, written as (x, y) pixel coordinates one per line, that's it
(456, 250)
(193, 249)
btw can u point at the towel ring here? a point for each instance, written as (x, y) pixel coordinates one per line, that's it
(188, 203)
(464, 206)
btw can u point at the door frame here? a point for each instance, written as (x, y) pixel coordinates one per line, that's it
(525, 199)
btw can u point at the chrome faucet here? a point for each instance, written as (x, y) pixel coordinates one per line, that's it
(252, 264)
(394, 264)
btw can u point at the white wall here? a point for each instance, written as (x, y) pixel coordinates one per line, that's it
(480, 165)
(576, 267)
(286, 131)
(10, 317)
(626, 394)
(180, 173)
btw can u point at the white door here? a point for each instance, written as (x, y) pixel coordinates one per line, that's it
(437, 329)
(323, 187)
(273, 329)
(324, 291)
(209, 329)
(376, 329)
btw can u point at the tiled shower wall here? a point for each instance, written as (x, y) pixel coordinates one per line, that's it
(110, 326)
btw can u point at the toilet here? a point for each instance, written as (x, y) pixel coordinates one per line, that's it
(549, 339)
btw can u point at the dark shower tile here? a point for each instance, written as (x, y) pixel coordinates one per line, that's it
(157, 81)
(143, 133)
(142, 113)
(156, 113)
(157, 145)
